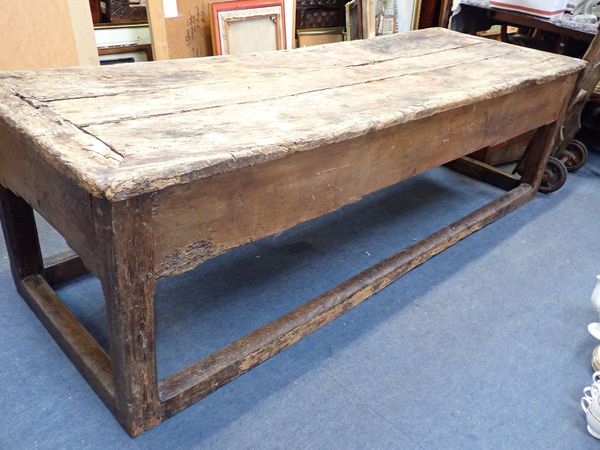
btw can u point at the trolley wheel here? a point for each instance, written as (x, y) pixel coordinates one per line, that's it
(574, 156)
(555, 175)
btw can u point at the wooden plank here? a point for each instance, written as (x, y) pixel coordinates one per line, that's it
(203, 218)
(158, 29)
(393, 74)
(83, 32)
(82, 82)
(195, 96)
(63, 267)
(507, 152)
(198, 380)
(484, 172)
(81, 348)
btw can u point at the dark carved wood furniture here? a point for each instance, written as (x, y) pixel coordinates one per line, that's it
(320, 14)
(120, 11)
(146, 176)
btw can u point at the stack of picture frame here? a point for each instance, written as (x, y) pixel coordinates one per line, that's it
(247, 26)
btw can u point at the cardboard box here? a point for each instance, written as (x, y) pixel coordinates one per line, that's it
(540, 8)
(38, 35)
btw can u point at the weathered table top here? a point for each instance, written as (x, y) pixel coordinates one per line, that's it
(120, 131)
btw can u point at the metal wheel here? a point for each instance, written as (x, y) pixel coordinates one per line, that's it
(555, 175)
(574, 156)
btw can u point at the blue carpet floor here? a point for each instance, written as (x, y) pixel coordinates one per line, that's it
(484, 346)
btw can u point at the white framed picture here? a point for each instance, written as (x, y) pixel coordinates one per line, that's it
(395, 16)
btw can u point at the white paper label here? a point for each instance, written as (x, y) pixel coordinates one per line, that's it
(170, 8)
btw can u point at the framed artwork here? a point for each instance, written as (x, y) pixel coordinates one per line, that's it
(319, 36)
(126, 11)
(395, 16)
(246, 26)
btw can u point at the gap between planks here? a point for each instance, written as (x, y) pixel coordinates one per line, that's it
(216, 80)
(83, 125)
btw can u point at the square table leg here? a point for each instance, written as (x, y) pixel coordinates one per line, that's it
(129, 283)
(21, 237)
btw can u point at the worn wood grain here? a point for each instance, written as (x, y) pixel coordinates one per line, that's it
(208, 216)
(83, 82)
(201, 118)
(37, 179)
(128, 286)
(338, 79)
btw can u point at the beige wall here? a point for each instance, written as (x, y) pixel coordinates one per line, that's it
(36, 34)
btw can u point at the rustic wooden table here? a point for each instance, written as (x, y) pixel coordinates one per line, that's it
(149, 169)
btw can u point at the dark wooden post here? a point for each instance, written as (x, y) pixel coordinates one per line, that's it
(128, 284)
(20, 234)
(537, 153)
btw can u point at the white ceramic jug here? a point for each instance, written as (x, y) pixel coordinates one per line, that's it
(591, 408)
(596, 296)
(583, 6)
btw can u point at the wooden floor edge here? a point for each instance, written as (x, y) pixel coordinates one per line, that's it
(181, 389)
(78, 344)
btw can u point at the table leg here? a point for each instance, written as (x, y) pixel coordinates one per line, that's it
(20, 234)
(537, 153)
(129, 286)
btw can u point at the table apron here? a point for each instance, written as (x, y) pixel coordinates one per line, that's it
(60, 200)
(204, 218)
